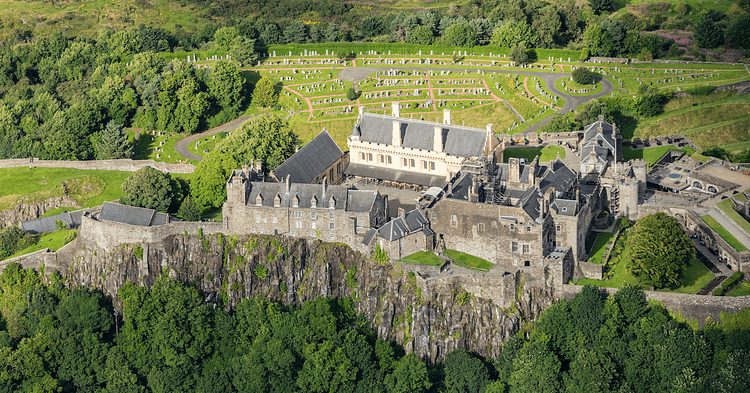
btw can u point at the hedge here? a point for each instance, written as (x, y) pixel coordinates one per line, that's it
(728, 284)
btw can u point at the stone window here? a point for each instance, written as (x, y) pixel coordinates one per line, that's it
(330, 216)
(259, 200)
(312, 225)
(526, 263)
(298, 214)
(362, 156)
(565, 209)
(313, 215)
(514, 246)
(275, 220)
(480, 226)
(424, 164)
(412, 163)
(313, 234)
(454, 220)
(331, 203)
(389, 160)
(432, 165)
(313, 203)
(295, 201)
(369, 156)
(525, 248)
(380, 158)
(298, 224)
(330, 226)
(404, 162)
(333, 235)
(433, 215)
(512, 227)
(293, 233)
(557, 228)
(257, 218)
(528, 229)
(277, 201)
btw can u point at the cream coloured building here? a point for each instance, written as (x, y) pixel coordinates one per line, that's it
(403, 150)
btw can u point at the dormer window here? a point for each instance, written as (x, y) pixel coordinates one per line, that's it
(314, 202)
(259, 200)
(295, 201)
(277, 201)
(332, 203)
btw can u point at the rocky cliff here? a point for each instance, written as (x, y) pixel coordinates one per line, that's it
(31, 211)
(430, 318)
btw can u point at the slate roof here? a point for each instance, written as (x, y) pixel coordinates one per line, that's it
(559, 176)
(458, 140)
(598, 142)
(398, 228)
(311, 160)
(530, 203)
(393, 174)
(369, 236)
(344, 199)
(47, 224)
(131, 215)
(565, 207)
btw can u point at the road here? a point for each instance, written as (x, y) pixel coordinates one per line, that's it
(571, 102)
(181, 147)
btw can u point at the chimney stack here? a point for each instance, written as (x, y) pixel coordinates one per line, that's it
(490, 135)
(396, 133)
(438, 139)
(396, 109)
(259, 166)
(325, 187)
(401, 213)
(446, 116)
(601, 117)
(287, 183)
(361, 111)
(514, 170)
(296, 148)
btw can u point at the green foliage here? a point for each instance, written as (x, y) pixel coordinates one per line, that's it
(224, 37)
(226, 84)
(465, 373)
(463, 298)
(514, 34)
(148, 188)
(261, 272)
(351, 276)
(707, 34)
(583, 76)
(584, 54)
(264, 93)
(601, 5)
(138, 252)
(728, 284)
(380, 254)
(243, 51)
(659, 250)
(282, 287)
(9, 241)
(351, 95)
(410, 375)
(190, 210)
(518, 54)
(60, 225)
(113, 143)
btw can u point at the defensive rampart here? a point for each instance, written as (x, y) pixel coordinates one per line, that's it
(125, 165)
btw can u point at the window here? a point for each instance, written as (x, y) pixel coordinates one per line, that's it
(275, 220)
(557, 228)
(313, 215)
(330, 226)
(298, 224)
(276, 201)
(380, 158)
(332, 203)
(257, 218)
(526, 263)
(454, 220)
(433, 215)
(512, 227)
(369, 156)
(525, 248)
(293, 233)
(298, 214)
(258, 200)
(412, 163)
(565, 209)
(424, 164)
(389, 160)
(528, 229)
(404, 162)
(313, 203)
(480, 226)
(333, 235)
(312, 225)
(330, 216)
(432, 165)
(362, 156)
(313, 234)
(514, 246)
(295, 202)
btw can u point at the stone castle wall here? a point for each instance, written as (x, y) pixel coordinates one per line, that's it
(125, 165)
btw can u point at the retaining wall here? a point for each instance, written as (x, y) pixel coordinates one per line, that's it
(125, 165)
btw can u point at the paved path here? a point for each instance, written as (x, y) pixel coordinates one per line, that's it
(730, 226)
(181, 147)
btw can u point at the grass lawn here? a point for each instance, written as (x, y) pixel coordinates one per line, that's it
(724, 233)
(469, 260)
(547, 153)
(621, 276)
(52, 240)
(572, 86)
(741, 289)
(696, 277)
(652, 154)
(423, 258)
(87, 187)
(726, 206)
(600, 246)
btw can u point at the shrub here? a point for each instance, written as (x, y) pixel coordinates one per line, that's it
(380, 254)
(351, 95)
(261, 272)
(282, 287)
(60, 225)
(584, 55)
(138, 252)
(351, 279)
(583, 76)
(728, 284)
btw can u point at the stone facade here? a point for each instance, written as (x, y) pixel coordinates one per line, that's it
(126, 165)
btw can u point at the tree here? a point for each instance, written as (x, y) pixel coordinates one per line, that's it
(149, 188)
(264, 94)
(590, 372)
(113, 143)
(460, 35)
(269, 138)
(409, 376)
(660, 250)
(511, 34)
(583, 76)
(295, 33)
(601, 5)
(707, 33)
(590, 112)
(243, 51)
(332, 32)
(536, 369)
(226, 84)
(371, 26)
(518, 54)
(547, 24)
(271, 35)
(559, 123)
(465, 373)
(190, 210)
(737, 32)
(224, 37)
(351, 95)
(421, 35)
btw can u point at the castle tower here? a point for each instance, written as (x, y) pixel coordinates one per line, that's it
(640, 170)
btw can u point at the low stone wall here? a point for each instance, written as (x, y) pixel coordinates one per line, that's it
(108, 235)
(589, 270)
(739, 87)
(689, 306)
(500, 289)
(125, 165)
(36, 259)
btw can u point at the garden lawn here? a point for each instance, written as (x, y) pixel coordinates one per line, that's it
(87, 187)
(652, 154)
(52, 240)
(469, 260)
(547, 153)
(742, 289)
(423, 258)
(600, 246)
(724, 233)
(726, 206)
(696, 276)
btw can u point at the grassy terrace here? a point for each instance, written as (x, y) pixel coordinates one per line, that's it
(727, 206)
(52, 240)
(652, 154)
(742, 289)
(547, 153)
(600, 246)
(423, 258)
(724, 233)
(469, 261)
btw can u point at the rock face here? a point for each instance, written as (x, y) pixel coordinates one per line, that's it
(26, 212)
(428, 319)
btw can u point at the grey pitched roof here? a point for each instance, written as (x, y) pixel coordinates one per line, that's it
(565, 207)
(343, 198)
(47, 224)
(311, 160)
(394, 229)
(393, 174)
(591, 134)
(131, 215)
(369, 235)
(458, 140)
(530, 203)
(461, 187)
(415, 220)
(360, 200)
(559, 176)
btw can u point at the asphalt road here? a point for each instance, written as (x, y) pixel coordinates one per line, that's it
(181, 147)
(356, 74)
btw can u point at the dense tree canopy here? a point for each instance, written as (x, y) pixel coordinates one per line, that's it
(583, 76)
(149, 188)
(113, 143)
(660, 250)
